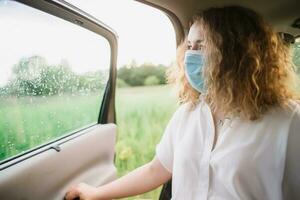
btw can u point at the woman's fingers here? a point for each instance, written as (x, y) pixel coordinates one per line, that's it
(72, 193)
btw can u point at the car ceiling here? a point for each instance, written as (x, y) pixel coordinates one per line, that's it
(280, 13)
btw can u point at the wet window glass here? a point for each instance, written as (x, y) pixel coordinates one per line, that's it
(52, 77)
(296, 57)
(296, 53)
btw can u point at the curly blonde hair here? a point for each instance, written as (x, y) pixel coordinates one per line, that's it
(248, 67)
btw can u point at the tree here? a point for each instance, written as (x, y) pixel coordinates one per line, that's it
(121, 83)
(296, 56)
(25, 79)
(136, 76)
(151, 80)
(33, 76)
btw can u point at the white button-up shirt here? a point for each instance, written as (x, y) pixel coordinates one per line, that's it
(251, 160)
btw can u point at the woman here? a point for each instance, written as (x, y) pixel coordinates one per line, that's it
(235, 134)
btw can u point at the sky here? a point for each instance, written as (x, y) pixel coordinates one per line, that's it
(146, 35)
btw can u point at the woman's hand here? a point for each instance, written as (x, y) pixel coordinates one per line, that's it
(83, 191)
(141, 180)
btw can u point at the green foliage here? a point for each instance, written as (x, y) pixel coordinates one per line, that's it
(32, 76)
(121, 83)
(296, 57)
(135, 75)
(151, 80)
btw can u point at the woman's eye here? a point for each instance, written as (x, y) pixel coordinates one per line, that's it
(200, 47)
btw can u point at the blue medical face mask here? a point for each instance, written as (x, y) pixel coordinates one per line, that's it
(193, 62)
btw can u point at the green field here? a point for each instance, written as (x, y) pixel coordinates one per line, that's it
(142, 114)
(30, 121)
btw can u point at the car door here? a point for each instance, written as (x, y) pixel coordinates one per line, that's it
(57, 123)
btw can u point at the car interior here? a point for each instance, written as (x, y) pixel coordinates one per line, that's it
(88, 154)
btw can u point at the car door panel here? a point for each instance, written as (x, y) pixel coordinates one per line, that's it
(47, 175)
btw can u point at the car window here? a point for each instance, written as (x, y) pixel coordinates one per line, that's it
(296, 57)
(296, 54)
(52, 77)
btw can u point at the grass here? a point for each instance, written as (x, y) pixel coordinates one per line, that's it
(142, 114)
(30, 121)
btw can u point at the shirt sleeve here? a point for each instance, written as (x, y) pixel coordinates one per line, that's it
(291, 184)
(165, 148)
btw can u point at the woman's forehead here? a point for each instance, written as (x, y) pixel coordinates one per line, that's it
(195, 33)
